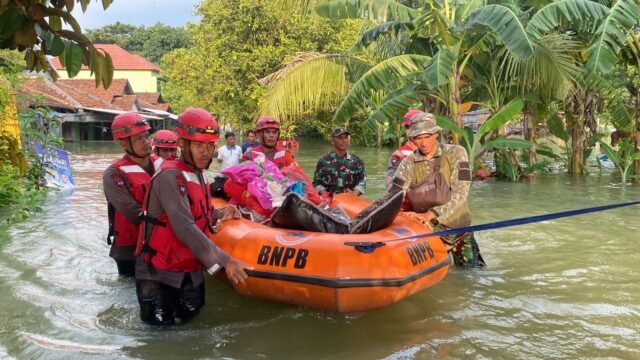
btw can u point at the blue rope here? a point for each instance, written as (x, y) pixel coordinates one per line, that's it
(518, 221)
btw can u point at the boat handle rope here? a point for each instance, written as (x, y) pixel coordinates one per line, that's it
(369, 246)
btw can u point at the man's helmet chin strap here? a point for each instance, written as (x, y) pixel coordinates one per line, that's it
(132, 152)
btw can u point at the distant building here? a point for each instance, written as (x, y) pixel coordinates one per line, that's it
(142, 74)
(87, 111)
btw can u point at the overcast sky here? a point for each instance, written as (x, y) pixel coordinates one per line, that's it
(137, 12)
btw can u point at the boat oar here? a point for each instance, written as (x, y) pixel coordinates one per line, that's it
(367, 247)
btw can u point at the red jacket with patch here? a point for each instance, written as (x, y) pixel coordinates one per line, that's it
(137, 180)
(166, 251)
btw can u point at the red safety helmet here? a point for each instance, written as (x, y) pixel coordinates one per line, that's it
(165, 139)
(407, 117)
(267, 122)
(128, 124)
(198, 125)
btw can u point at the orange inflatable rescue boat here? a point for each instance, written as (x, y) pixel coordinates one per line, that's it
(326, 271)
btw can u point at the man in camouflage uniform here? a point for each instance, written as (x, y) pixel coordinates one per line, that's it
(452, 162)
(340, 171)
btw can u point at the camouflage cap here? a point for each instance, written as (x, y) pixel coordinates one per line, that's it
(339, 131)
(424, 123)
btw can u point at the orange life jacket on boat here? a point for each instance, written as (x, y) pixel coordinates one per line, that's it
(125, 232)
(164, 249)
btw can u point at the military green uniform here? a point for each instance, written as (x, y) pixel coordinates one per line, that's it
(336, 174)
(454, 166)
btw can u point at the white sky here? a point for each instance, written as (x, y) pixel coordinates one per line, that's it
(137, 12)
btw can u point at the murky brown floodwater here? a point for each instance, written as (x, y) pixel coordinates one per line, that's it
(564, 289)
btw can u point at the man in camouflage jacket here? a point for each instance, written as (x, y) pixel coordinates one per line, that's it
(452, 162)
(340, 171)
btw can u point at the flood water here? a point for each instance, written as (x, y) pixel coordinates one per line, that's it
(566, 288)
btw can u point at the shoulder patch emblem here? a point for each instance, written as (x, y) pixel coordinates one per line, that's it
(464, 172)
(182, 184)
(118, 179)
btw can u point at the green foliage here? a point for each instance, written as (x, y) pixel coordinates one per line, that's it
(152, 42)
(378, 10)
(622, 158)
(506, 25)
(35, 27)
(378, 78)
(10, 67)
(38, 127)
(237, 43)
(603, 52)
(477, 144)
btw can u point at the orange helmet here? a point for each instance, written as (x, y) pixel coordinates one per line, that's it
(407, 117)
(267, 122)
(165, 139)
(128, 124)
(198, 125)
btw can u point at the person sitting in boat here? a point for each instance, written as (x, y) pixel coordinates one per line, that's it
(124, 184)
(268, 129)
(403, 151)
(340, 171)
(436, 179)
(173, 247)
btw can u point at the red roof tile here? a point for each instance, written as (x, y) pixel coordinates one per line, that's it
(152, 100)
(118, 87)
(150, 97)
(122, 59)
(81, 93)
(146, 105)
(126, 102)
(52, 95)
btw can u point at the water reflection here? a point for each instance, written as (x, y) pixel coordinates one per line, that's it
(566, 288)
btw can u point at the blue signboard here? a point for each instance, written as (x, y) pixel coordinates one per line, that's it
(57, 167)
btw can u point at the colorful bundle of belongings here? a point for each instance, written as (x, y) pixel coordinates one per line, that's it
(287, 198)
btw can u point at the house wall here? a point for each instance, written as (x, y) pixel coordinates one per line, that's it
(87, 126)
(9, 119)
(140, 80)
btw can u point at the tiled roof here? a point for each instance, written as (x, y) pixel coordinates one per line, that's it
(82, 94)
(152, 100)
(147, 105)
(122, 59)
(126, 102)
(88, 86)
(150, 97)
(51, 94)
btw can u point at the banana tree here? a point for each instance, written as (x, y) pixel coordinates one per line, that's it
(485, 138)
(605, 26)
(623, 158)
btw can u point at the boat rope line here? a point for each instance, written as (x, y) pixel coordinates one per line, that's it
(351, 282)
(368, 247)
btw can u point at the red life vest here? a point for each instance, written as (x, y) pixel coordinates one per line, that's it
(281, 158)
(164, 249)
(125, 232)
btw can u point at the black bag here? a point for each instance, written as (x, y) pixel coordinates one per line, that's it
(432, 192)
(217, 187)
(298, 213)
(378, 215)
